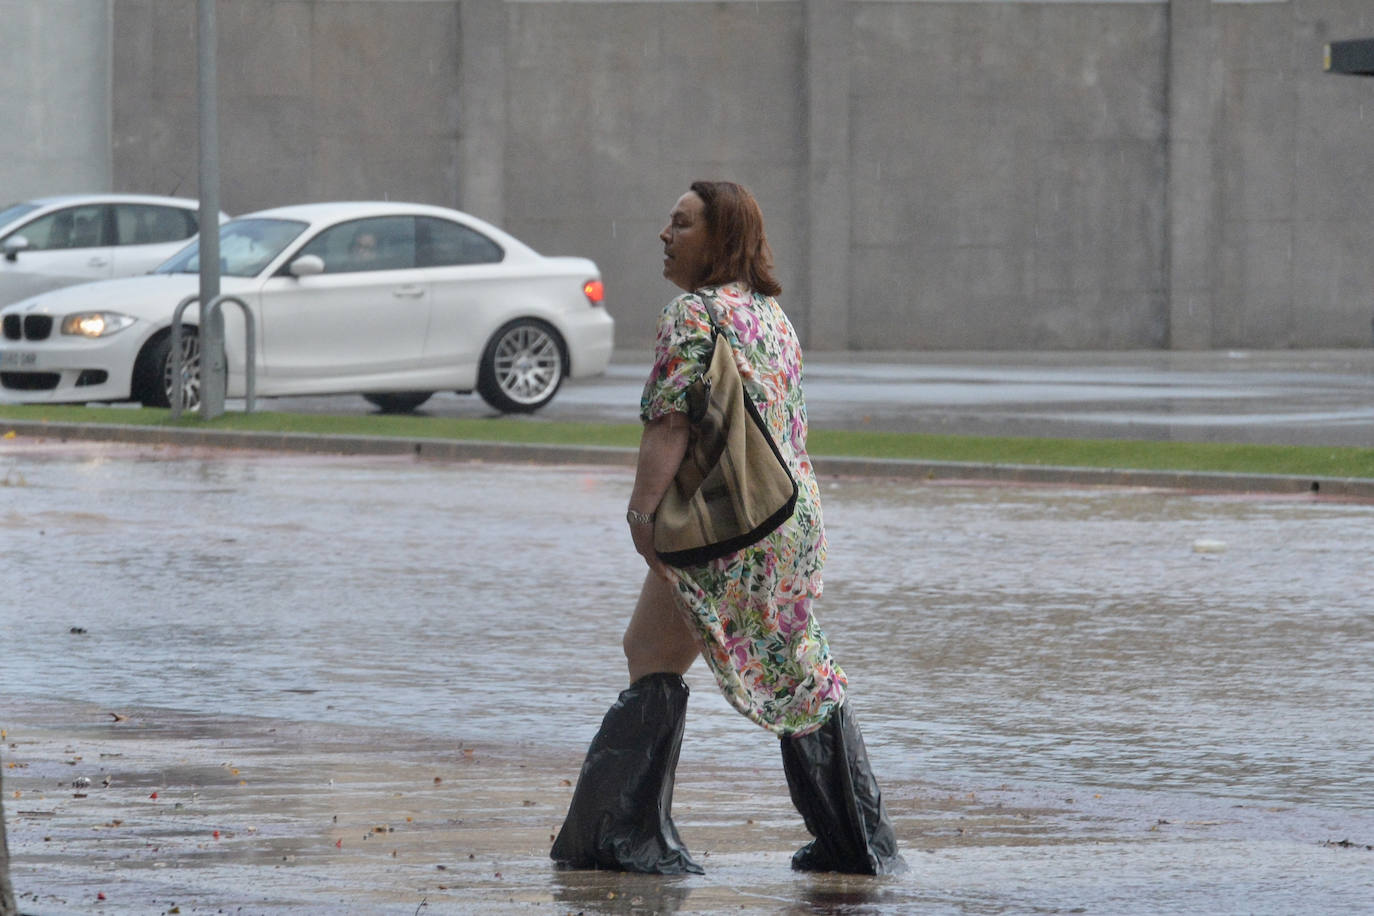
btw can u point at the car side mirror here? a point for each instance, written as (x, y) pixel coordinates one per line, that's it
(13, 245)
(307, 265)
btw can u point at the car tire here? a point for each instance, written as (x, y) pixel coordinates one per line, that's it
(397, 401)
(522, 366)
(152, 372)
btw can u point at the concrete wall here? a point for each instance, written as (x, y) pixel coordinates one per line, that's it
(936, 175)
(614, 109)
(318, 100)
(1006, 175)
(54, 97)
(1272, 177)
(1294, 180)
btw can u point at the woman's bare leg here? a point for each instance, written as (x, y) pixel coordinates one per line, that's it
(657, 638)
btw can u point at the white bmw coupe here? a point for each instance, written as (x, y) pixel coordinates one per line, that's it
(392, 301)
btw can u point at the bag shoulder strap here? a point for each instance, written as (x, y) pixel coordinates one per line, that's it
(706, 300)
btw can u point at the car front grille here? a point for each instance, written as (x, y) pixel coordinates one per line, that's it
(28, 327)
(30, 381)
(37, 327)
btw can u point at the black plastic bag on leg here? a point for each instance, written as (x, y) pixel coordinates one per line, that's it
(620, 813)
(833, 786)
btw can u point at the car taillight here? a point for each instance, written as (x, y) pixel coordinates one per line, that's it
(595, 291)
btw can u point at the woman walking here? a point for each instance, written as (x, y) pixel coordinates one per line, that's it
(749, 613)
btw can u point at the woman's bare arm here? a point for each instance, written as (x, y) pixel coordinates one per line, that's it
(661, 449)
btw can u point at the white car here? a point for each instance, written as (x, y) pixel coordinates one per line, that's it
(52, 242)
(393, 301)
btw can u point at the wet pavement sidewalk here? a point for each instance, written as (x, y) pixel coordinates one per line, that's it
(1283, 397)
(1313, 397)
(218, 813)
(327, 684)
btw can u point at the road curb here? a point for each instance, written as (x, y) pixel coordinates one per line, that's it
(542, 453)
(320, 443)
(1202, 481)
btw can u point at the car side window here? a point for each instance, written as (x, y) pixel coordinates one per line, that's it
(73, 227)
(441, 243)
(377, 243)
(150, 224)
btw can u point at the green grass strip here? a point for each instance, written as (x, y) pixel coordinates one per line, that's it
(1303, 460)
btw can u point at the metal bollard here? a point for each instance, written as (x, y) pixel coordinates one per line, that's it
(250, 352)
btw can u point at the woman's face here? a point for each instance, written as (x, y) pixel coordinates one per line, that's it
(686, 243)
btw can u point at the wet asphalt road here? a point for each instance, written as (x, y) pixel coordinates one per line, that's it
(1291, 397)
(326, 684)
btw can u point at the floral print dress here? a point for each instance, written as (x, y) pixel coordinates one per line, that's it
(752, 610)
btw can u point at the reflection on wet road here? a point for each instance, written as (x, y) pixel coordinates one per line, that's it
(1100, 652)
(1292, 397)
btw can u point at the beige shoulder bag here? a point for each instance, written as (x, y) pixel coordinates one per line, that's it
(733, 488)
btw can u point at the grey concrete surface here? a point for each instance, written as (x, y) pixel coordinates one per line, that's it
(55, 107)
(1006, 174)
(317, 101)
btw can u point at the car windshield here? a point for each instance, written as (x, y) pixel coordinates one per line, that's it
(246, 246)
(13, 212)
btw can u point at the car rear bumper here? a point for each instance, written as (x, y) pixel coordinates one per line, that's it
(590, 343)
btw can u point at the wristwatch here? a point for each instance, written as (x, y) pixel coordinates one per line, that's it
(639, 518)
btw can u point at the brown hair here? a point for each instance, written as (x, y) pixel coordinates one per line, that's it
(741, 250)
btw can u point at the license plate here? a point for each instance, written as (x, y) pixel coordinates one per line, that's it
(17, 359)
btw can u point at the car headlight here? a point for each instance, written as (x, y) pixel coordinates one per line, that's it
(95, 324)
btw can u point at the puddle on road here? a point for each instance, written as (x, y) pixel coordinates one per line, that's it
(1065, 651)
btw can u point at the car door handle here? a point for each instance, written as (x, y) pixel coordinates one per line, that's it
(98, 262)
(408, 292)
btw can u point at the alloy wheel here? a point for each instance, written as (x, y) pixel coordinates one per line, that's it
(528, 364)
(188, 386)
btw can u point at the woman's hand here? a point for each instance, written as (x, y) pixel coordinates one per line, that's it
(643, 536)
